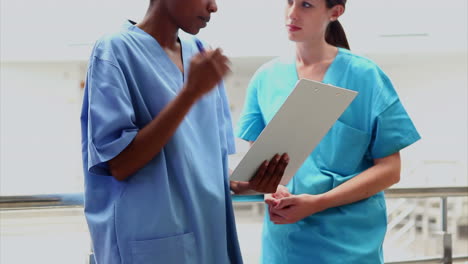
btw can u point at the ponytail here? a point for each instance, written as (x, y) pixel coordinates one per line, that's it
(336, 36)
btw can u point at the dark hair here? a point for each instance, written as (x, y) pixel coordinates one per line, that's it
(335, 34)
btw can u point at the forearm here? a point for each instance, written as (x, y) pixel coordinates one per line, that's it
(379, 177)
(151, 139)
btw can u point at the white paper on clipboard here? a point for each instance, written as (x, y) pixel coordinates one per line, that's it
(299, 125)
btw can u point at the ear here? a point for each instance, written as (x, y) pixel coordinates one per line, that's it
(336, 12)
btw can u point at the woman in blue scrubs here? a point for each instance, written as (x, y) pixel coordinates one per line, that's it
(333, 210)
(156, 132)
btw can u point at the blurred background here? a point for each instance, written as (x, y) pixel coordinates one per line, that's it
(44, 49)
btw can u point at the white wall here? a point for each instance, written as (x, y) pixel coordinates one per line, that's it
(57, 30)
(39, 128)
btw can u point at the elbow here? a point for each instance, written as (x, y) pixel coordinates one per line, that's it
(396, 177)
(391, 168)
(394, 173)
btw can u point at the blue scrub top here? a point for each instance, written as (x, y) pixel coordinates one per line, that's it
(375, 125)
(177, 208)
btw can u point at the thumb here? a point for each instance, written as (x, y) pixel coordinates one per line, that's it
(243, 185)
(285, 202)
(271, 201)
(238, 187)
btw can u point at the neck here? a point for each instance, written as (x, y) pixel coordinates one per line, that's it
(314, 52)
(160, 25)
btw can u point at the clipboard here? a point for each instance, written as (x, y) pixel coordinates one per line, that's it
(297, 128)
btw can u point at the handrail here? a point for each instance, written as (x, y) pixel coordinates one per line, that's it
(70, 200)
(426, 192)
(427, 260)
(43, 201)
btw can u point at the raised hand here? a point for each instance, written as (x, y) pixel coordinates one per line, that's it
(207, 69)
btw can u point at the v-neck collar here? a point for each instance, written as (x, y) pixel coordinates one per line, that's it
(131, 25)
(328, 72)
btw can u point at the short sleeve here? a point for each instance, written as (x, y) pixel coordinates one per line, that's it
(393, 131)
(226, 124)
(392, 128)
(251, 122)
(111, 118)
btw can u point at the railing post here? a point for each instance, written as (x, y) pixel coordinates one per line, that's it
(91, 258)
(446, 237)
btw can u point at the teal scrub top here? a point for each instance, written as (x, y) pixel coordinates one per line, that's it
(375, 125)
(177, 208)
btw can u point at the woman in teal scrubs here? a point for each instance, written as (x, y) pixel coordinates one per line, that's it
(333, 210)
(156, 132)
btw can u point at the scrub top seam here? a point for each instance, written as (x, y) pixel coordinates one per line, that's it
(97, 58)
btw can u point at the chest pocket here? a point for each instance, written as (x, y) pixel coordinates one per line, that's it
(342, 149)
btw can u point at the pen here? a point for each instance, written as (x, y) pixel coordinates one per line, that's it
(199, 45)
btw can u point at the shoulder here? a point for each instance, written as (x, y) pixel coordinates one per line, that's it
(364, 72)
(359, 64)
(112, 46)
(370, 80)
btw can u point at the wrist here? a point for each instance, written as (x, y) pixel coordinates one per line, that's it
(317, 203)
(324, 201)
(187, 95)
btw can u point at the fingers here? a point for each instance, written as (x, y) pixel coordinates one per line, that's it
(278, 217)
(273, 163)
(285, 202)
(219, 62)
(214, 60)
(277, 175)
(280, 209)
(281, 167)
(239, 187)
(281, 192)
(269, 174)
(232, 185)
(207, 69)
(255, 181)
(270, 200)
(274, 173)
(267, 182)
